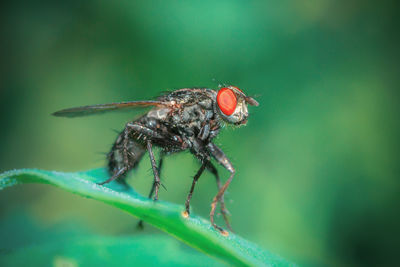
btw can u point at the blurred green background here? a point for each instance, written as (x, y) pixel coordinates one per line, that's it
(317, 165)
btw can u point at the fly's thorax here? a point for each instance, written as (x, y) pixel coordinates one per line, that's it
(188, 114)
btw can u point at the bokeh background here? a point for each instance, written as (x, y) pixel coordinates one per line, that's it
(317, 165)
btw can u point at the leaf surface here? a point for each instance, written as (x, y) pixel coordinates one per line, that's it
(194, 231)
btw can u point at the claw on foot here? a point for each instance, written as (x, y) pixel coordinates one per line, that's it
(185, 214)
(213, 206)
(224, 233)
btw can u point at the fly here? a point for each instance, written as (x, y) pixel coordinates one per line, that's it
(184, 119)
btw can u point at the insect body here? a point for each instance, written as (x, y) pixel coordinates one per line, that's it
(184, 119)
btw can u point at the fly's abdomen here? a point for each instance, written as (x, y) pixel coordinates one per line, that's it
(125, 153)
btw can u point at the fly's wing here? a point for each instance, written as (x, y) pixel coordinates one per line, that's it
(101, 108)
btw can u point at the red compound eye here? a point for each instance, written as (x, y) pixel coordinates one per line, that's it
(226, 100)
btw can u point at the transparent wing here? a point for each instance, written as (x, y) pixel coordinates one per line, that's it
(101, 108)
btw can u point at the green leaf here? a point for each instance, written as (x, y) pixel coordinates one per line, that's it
(194, 230)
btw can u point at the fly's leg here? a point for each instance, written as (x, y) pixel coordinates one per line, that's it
(195, 178)
(160, 163)
(224, 211)
(140, 129)
(217, 153)
(154, 167)
(217, 198)
(116, 175)
(150, 134)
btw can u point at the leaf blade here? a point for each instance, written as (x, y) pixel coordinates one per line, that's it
(193, 231)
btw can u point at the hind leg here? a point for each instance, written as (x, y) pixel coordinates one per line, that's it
(116, 175)
(154, 167)
(160, 163)
(136, 131)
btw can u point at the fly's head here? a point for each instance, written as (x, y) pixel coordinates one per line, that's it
(232, 105)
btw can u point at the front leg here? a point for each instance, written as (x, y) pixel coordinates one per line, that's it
(217, 153)
(224, 211)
